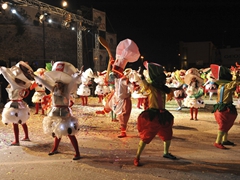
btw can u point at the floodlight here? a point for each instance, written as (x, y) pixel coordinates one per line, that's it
(4, 6)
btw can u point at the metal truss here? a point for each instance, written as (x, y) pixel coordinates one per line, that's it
(61, 12)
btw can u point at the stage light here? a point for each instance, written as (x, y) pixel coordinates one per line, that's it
(67, 18)
(13, 11)
(4, 6)
(43, 17)
(72, 25)
(64, 4)
(49, 20)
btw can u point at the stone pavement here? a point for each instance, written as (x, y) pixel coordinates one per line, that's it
(106, 157)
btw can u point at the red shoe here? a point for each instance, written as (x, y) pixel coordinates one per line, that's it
(122, 135)
(100, 112)
(115, 120)
(136, 162)
(220, 146)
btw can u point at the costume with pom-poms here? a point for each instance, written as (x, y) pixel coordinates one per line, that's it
(16, 111)
(39, 91)
(194, 92)
(60, 120)
(83, 90)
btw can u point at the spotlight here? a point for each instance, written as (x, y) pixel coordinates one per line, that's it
(64, 4)
(14, 11)
(66, 20)
(43, 17)
(72, 25)
(49, 20)
(4, 6)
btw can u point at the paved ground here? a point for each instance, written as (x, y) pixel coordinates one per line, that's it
(106, 157)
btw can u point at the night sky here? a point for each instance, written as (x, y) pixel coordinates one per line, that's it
(158, 26)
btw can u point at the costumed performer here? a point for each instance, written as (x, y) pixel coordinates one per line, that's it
(210, 86)
(16, 111)
(101, 89)
(136, 90)
(179, 88)
(194, 92)
(119, 101)
(40, 91)
(225, 112)
(156, 120)
(60, 121)
(83, 90)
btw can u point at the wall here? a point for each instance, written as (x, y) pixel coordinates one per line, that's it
(196, 54)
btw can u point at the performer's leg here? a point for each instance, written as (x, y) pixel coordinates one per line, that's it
(42, 111)
(114, 117)
(16, 135)
(191, 112)
(141, 147)
(82, 97)
(145, 103)
(166, 146)
(74, 142)
(225, 140)
(142, 101)
(86, 100)
(219, 140)
(25, 129)
(55, 147)
(123, 132)
(166, 150)
(179, 103)
(205, 92)
(99, 101)
(124, 116)
(71, 103)
(139, 103)
(210, 95)
(196, 113)
(36, 108)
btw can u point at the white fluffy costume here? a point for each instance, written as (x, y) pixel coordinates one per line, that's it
(60, 121)
(83, 90)
(39, 90)
(194, 91)
(16, 111)
(101, 89)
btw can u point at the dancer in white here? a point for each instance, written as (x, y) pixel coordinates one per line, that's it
(83, 90)
(39, 91)
(16, 111)
(194, 92)
(60, 120)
